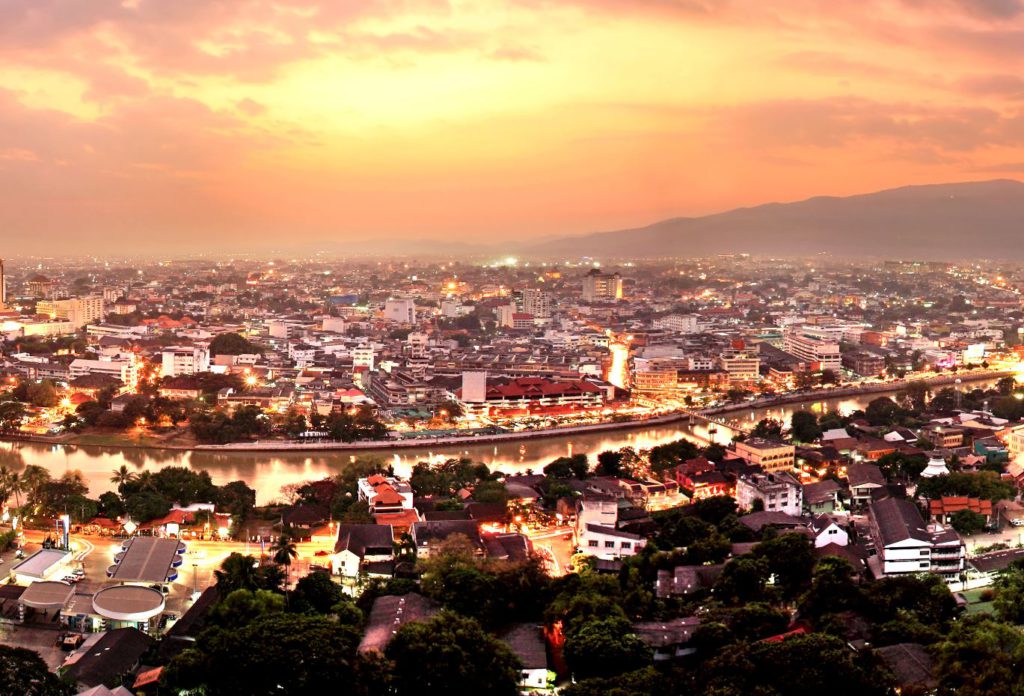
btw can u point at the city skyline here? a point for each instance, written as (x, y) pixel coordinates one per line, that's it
(234, 126)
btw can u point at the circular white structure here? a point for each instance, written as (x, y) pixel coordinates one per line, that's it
(128, 602)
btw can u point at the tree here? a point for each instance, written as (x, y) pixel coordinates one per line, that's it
(768, 428)
(609, 463)
(42, 394)
(122, 476)
(316, 593)
(146, 505)
(798, 666)
(983, 484)
(427, 655)
(23, 672)
(791, 561)
(285, 551)
(1006, 386)
(237, 498)
(967, 522)
(744, 579)
(981, 657)
(898, 465)
(671, 454)
(882, 411)
(1009, 601)
(242, 607)
(833, 589)
(12, 413)
(276, 654)
(232, 344)
(605, 647)
(237, 572)
(575, 466)
(804, 426)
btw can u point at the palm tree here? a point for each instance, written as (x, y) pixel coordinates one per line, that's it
(237, 572)
(285, 551)
(32, 478)
(145, 480)
(121, 476)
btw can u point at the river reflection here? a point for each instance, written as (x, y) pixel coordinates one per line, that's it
(267, 472)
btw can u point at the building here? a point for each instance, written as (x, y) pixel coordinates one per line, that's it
(526, 641)
(943, 436)
(609, 543)
(740, 365)
(116, 654)
(537, 302)
(80, 311)
(148, 560)
(778, 492)
(430, 535)
(945, 507)
(679, 323)
(402, 311)
(863, 363)
(864, 480)
(383, 494)
(391, 612)
(126, 370)
(527, 394)
(601, 287)
(184, 360)
(363, 548)
(905, 545)
(819, 353)
(769, 455)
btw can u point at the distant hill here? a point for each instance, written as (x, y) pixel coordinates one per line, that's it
(937, 222)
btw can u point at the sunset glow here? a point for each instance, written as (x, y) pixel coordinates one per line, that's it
(216, 121)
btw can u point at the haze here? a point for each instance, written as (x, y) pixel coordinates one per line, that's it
(203, 125)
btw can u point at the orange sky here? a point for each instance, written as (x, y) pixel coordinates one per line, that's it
(156, 125)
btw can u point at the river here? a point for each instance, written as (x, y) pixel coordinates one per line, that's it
(267, 472)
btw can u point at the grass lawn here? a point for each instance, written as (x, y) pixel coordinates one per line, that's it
(974, 603)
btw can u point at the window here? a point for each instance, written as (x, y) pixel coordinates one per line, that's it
(609, 544)
(626, 545)
(592, 543)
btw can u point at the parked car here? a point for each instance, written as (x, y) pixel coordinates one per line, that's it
(71, 641)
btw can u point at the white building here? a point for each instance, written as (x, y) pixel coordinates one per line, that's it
(609, 543)
(680, 323)
(905, 544)
(779, 492)
(184, 360)
(599, 286)
(402, 311)
(820, 353)
(362, 356)
(537, 302)
(78, 310)
(741, 366)
(125, 369)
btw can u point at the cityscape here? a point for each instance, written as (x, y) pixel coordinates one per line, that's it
(554, 348)
(392, 441)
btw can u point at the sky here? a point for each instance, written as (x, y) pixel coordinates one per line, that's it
(220, 125)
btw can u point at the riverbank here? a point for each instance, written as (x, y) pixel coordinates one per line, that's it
(122, 441)
(860, 390)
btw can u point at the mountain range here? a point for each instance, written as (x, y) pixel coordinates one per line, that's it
(983, 219)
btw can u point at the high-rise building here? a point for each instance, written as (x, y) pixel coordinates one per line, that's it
(402, 311)
(821, 353)
(599, 286)
(80, 311)
(3, 286)
(184, 360)
(536, 302)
